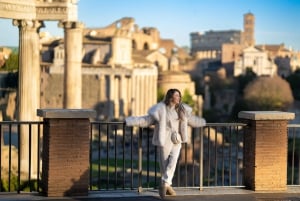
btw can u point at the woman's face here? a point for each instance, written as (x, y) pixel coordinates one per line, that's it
(176, 98)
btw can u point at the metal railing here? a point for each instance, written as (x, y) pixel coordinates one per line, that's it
(293, 172)
(124, 158)
(20, 167)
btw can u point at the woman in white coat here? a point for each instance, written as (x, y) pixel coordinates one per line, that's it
(171, 119)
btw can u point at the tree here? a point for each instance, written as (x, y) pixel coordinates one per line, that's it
(244, 80)
(268, 93)
(294, 80)
(12, 63)
(160, 94)
(187, 98)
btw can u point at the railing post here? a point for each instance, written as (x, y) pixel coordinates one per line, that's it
(201, 160)
(65, 157)
(140, 160)
(265, 150)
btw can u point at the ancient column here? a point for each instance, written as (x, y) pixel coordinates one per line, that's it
(138, 95)
(116, 98)
(102, 83)
(111, 97)
(123, 96)
(134, 86)
(73, 56)
(29, 87)
(129, 97)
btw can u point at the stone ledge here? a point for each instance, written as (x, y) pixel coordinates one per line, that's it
(266, 115)
(66, 113)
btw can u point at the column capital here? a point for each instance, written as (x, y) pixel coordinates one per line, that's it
(70, 24)
(28, 24)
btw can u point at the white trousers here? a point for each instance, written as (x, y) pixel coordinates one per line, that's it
(168, 157)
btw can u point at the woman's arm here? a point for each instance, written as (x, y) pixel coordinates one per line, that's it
(140, 121)
(195, 121)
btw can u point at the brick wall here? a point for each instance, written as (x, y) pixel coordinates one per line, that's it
(265, 154)
(65, 157)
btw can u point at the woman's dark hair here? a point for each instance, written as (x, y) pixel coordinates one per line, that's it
(179, 107)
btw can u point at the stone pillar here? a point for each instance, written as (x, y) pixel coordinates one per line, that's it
(117, 97)
(66, 145)
(138, 95)
(29, 87)
(154, 92)
(133, 94)
(73, 56)
(111, 98)
(123, 96)
(102, 83)
(130, 96)
(265, 149)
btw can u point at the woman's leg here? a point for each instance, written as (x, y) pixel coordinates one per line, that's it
(168, 160)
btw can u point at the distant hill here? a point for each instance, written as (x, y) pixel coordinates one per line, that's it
(15, 49)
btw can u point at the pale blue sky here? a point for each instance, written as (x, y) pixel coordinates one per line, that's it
(276, 21)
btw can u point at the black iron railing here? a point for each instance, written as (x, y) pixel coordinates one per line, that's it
(20, 155)
(124, 158)
(293, 172)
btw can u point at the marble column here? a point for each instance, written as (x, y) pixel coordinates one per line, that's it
(134, 89)
(73, 56)
(130, 97)
(111, 98)
(116, 99)
(102, 83)
(138, 91)
(123, 93)
(29, 87)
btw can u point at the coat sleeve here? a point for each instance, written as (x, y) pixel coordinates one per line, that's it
(140, 121)
(195, 121)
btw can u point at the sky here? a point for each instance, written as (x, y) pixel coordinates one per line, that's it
(276, 21)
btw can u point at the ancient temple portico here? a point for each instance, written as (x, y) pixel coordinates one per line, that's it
(28, 16)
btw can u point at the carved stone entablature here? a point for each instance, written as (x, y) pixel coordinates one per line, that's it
(57, 10)
(65, 10)
(17, 9)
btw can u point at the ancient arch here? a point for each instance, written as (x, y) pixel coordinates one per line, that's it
(29, 17)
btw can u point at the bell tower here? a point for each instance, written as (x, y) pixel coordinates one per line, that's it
(249, 24)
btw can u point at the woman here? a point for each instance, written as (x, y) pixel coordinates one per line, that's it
(171, 119)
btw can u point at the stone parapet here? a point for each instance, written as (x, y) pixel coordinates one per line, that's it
(66, 113)
(66, 145)
(266, 115)
(265, 150)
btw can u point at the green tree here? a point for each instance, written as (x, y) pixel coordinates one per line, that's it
(12, 63)
(244, 80)
(294, 80)
(268, 93)
(187, 98)
(160, 94)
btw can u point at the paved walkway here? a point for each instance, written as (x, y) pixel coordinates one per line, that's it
(209, 194)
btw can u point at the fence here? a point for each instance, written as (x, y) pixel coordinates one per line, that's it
(124, 158)
(20, 167)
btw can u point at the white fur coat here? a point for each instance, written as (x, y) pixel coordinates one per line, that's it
(157, 115)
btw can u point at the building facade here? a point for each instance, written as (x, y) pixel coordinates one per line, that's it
(257, 60)
(120, 70)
